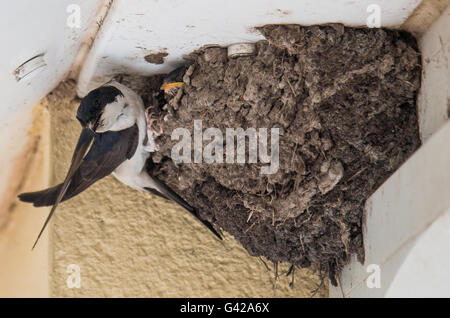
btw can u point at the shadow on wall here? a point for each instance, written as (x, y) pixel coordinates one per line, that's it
(24, 273)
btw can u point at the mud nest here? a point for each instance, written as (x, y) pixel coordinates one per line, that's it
(344, 99)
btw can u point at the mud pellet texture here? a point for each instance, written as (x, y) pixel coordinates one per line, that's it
(345, 101)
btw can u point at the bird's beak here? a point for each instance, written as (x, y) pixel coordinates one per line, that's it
(83, 144)
(84, 141)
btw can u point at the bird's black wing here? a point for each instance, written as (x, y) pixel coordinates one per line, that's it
(107, 152)
(164, 191)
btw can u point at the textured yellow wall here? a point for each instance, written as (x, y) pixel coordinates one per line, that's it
(129, 243)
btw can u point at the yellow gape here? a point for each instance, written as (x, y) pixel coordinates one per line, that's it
(171, 85)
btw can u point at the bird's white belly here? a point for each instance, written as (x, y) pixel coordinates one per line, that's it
(129, 172)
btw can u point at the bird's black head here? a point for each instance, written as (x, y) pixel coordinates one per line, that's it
(93, 104)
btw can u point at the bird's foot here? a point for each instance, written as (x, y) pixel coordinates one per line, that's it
(152, 132)
(150, 121)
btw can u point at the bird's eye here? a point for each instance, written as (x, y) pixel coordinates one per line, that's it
(120, 115)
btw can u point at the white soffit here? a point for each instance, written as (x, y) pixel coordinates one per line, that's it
(136, 28)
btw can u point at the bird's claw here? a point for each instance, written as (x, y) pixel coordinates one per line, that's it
(150, 121)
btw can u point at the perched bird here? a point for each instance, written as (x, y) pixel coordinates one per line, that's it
(114, 121)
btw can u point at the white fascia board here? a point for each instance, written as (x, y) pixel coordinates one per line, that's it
(135, 28)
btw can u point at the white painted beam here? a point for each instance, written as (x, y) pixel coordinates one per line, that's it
(400, 218)
(30, 29)
(434, 97)
(135, 28)
(406, 230)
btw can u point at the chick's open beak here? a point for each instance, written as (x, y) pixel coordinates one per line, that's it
(167, 86)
